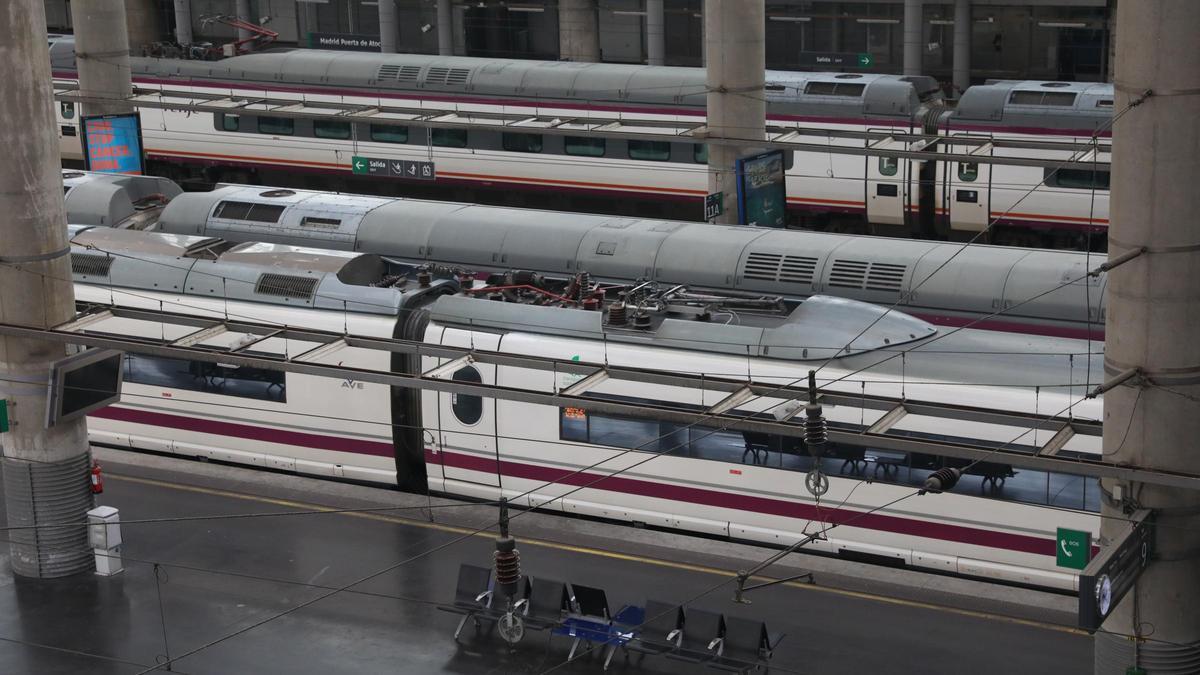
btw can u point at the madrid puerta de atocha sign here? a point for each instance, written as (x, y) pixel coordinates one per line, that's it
(344, 41)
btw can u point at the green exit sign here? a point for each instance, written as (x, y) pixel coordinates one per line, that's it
(1073, 548)
(3, 416)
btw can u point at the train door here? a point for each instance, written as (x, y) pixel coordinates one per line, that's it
(466, 436)
(969, 192)
(887, 187)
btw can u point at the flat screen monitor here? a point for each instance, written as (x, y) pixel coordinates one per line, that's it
(82, 383)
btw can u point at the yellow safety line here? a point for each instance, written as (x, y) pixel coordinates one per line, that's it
(585, 550)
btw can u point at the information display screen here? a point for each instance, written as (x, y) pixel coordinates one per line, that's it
(113, 143)
(82, 383)
(762, 196)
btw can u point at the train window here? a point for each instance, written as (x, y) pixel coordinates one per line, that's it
(700, 153)
(259, 213)
(655, 151)
(231, 122)
(584, 146)
(276, 126)
(968, 171)
(67, 110)
(888, 166)
(448, 138)
(331, 129)
(388, 133)
(521, 142)
(1079, 179)
(213, 378)
(467, 408)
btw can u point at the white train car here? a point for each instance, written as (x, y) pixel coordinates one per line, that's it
(824, 190)
(692, 479)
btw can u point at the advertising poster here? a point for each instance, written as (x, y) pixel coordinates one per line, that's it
(762, 198)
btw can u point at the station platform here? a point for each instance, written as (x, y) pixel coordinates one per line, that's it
(231, 589)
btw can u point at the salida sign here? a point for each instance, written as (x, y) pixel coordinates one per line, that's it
(113, 143)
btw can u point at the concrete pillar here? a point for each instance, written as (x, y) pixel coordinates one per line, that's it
(1153, 320)
(1110, 66)
(735, 45)
(962, 45)
(578, 33)
(656, 43)
(387, 26)
(242, 11)
(102, 53)
(913, 37)
(141, 20)
(46, 471)
(183, 22)
(445, 28)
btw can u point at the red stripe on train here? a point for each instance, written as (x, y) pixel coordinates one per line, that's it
(742, 502)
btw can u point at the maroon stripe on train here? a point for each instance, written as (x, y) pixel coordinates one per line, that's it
(246, 431)
(680, 493)
(742, 502)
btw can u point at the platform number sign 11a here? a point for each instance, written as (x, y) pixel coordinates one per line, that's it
(714, 205)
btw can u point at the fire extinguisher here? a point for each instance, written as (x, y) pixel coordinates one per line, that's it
(97, 478)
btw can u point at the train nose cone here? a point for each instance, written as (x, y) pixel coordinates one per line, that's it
(822, 327)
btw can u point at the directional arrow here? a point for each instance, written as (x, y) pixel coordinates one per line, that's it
(865, 60)
(359, 165)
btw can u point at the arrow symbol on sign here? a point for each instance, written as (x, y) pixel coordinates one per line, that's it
(397, 167)
(358, 164)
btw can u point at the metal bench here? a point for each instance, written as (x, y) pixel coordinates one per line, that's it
(746, 645)
(472, 595)
(701, 639)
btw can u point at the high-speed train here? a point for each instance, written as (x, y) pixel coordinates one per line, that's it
(1030, 291)
(1030, 205)
(707, 480)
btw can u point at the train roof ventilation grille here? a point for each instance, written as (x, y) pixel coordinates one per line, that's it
(848, 273)
(797, 269)
(776, 267)
(764, 266)
(885, 277)
(450, 76)
(90, 264)
(397, 73)
(286, 286)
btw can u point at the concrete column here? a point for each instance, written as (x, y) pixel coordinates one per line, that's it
(1153, 320)
(735, 45)
(183, 22)
(913, 37)
(45, 470)
(102, 53)
(962, 45)
(578, 32)
(656, 43)
(242, 11)
(141, 20)
(387, 26)
(445, 28)
(1110, 66)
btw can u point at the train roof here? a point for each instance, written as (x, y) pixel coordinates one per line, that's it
(1038, 103)
(787, 92)
(210, 267)
(818, 328)
(113, 200)
(793, 263)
